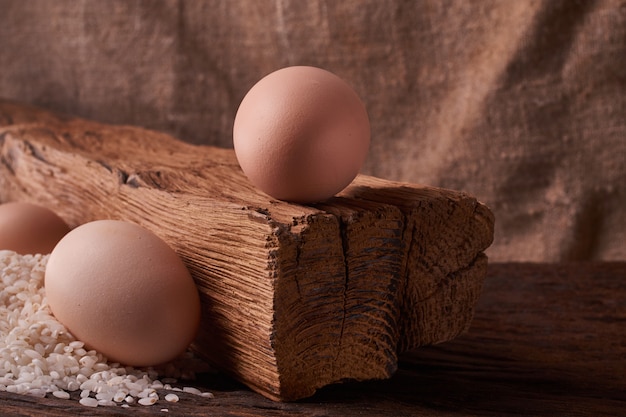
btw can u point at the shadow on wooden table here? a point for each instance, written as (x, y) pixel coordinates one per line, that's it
(546, 340)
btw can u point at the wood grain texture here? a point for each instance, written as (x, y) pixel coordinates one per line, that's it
(294, 297)
(546, 340)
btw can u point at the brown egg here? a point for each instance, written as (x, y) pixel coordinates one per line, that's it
(124, 292)
(27, 228)
(301, 134)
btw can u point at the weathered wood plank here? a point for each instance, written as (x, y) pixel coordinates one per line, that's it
(294, 297)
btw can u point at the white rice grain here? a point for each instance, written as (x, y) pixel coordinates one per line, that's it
(147, 400)
(89, 402)
(192, 390)
(119, 396)
(62, 394)
(172, 398)
(107, 403)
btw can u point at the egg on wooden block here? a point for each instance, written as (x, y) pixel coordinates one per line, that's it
(28, 228)
(301, 134)
(124, 292)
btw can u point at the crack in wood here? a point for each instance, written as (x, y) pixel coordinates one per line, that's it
(345, 248)
(296, 276)
(35, 152)
(7, 156)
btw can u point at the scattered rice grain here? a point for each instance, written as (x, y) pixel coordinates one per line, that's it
(119, 396)
(192, 390)
(147, 400)
(89, 402)
(62, 394)
(172, 398)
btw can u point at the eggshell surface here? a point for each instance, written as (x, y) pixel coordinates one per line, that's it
(28, 228)
(124, 292)
(301, 134)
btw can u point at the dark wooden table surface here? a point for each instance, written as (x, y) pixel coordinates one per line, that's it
(547, 340)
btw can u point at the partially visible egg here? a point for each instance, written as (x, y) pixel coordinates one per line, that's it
(124, 292)
(27, 228)
(301, 134)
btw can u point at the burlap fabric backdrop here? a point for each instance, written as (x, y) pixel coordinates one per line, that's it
(521, 103)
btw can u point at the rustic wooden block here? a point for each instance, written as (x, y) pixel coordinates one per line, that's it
(294, 297)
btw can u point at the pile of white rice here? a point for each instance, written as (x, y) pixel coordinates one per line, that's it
(39, 357)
